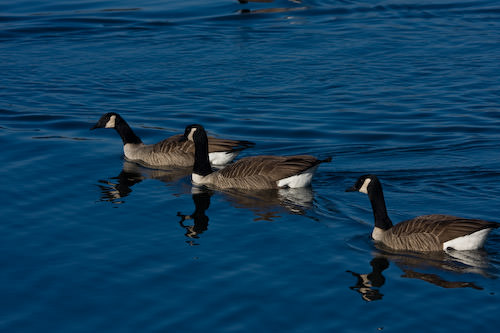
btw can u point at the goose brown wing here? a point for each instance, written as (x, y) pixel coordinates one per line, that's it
(176, 143)
(272, 167)
(443, 227)
(179, 142)
(227, 145)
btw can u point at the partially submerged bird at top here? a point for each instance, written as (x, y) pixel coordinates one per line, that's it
(250, 173)
(175, 151)
(423, 233)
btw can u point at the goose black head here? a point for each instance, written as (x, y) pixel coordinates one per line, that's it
(364, 184)
(193, 132)
(108, 120)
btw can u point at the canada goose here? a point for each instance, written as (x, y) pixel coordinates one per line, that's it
(173, 151)
(423, 233)
(250, 173)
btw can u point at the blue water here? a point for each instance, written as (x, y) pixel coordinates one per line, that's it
(404, 89)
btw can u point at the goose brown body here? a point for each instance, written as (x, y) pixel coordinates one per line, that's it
(431, 232)
(434, 232)
(261, 172)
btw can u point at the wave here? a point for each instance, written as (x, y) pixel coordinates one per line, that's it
(83, 18)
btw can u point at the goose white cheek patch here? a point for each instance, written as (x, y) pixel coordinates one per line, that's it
(364, 188)
(111, 122)
(190, 135)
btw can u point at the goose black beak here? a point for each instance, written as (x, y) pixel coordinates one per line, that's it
(351, 189)
(94, 127)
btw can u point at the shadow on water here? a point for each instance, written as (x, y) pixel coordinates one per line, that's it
(116, 188)
(416, 266)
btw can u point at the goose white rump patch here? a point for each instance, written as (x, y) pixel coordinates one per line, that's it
(301, 180)
(470, 242)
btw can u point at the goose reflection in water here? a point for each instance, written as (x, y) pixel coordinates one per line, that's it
(412, 264)
(462, 262)
(368, 285)
(268, 205)
(201, 200)
(264, 203)
(119, 187)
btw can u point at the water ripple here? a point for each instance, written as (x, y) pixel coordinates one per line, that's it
(87, 18)
(407, 90)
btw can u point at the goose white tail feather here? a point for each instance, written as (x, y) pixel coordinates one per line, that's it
(301, 180)
(473, 241)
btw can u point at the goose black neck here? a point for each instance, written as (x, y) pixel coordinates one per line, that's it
(376, 196)
(126, 133)
(202, 165)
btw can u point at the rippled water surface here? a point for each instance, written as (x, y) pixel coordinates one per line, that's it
(90, 243)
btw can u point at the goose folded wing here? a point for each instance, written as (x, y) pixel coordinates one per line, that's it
(226, 145)
(272, 167)
(444, 227)
(176, 143)
(179, 143)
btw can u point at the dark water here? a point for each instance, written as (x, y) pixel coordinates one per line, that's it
(404, 89)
